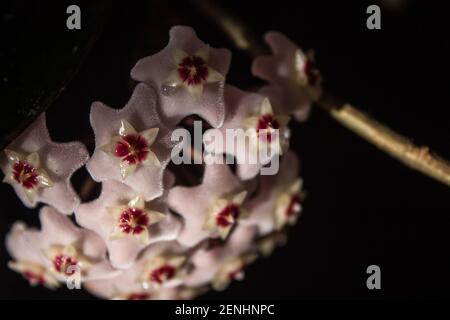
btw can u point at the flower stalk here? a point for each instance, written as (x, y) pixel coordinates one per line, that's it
(419, 158)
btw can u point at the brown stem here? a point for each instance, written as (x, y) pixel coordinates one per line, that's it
(401, 148)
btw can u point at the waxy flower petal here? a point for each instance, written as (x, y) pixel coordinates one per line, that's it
(278, 200)
(132, 144)
(250, 117)
(188, 76)
(126, 222)
(135, 280)
(57, 251)
(206, 207)
(232, 270)
(143, 238)
(294, 80)
(40, 170)
(208, 264)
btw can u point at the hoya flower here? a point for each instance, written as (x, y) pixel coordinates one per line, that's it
(160, 267)
(294, 79)
(278, 202)
(126, 222)
(40, 170)
(253, 132)
(57, 251)
(162, 270)
(132, 144)
(188, 76)
(211, 209)
(223, 263)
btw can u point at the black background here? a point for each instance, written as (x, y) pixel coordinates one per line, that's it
(362, 207)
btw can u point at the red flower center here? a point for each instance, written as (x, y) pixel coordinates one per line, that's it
(193, 70)
(138, 296)
(34, 278)
(25, 174)
(61, 263)
(133, 221)
(292, 206)
(311, 72)
(132, 148)
(162, 274)
(266, 122)
(225, 217)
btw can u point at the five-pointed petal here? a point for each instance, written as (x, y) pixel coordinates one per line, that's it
(258, 133)
(294, 80)
(40, 169)
(223, 263)
(188, 76)
(57, 251)
(208, 208)
(126, 223)
(136, 278)
(278, 200)
(123, 154)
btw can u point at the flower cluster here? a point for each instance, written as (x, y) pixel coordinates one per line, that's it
(147, 236)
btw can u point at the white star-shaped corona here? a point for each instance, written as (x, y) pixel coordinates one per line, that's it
(26, 172)
(162, 270)
(192, 71)
(288, 205)
(266, 127)
(132, 148)
(224, 213)
(134, 219)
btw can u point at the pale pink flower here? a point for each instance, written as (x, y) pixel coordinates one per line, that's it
(57, 251)
(126, 222)
(211, 209)
(144, 238)
(40, 170)
(160, 267)
(223, 263)
(132, 144)
(277, 203)
(255, 126)
(294, 80)
(188, 76)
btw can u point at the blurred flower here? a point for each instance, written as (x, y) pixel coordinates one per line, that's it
(161, 270)
(267, 244)
(250, 117)
(278, 200)
(57, 251)
(294, 80)
(232, 270)
(223, 263)
(160, 267)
